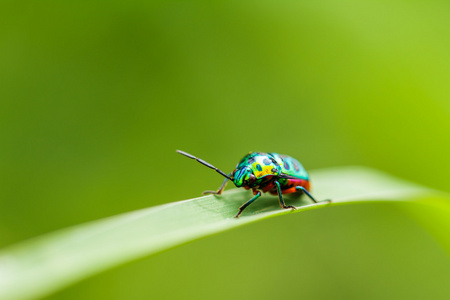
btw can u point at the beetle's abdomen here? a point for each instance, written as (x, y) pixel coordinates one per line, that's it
(288, 186)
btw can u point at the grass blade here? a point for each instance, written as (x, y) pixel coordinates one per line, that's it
(40, 266)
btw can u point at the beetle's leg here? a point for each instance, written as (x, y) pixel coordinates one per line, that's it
(219, 191)
(247, 204)
(300, 188)
(280, 197)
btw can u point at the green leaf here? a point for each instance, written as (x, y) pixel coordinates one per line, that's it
(43, 265)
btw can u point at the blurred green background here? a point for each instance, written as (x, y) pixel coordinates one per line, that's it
(96, 96)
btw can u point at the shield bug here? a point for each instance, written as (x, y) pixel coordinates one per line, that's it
(261, 172)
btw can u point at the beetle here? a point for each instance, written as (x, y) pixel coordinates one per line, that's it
(275, 173)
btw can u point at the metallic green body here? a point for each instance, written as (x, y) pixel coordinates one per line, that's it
(261, 165)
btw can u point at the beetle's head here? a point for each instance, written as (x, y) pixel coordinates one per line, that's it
(244, 177)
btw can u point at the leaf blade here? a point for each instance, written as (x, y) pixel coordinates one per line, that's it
(51, 262)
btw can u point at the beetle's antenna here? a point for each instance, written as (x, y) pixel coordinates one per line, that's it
(204, 163)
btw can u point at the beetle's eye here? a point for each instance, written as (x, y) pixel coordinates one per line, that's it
(251, 179)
